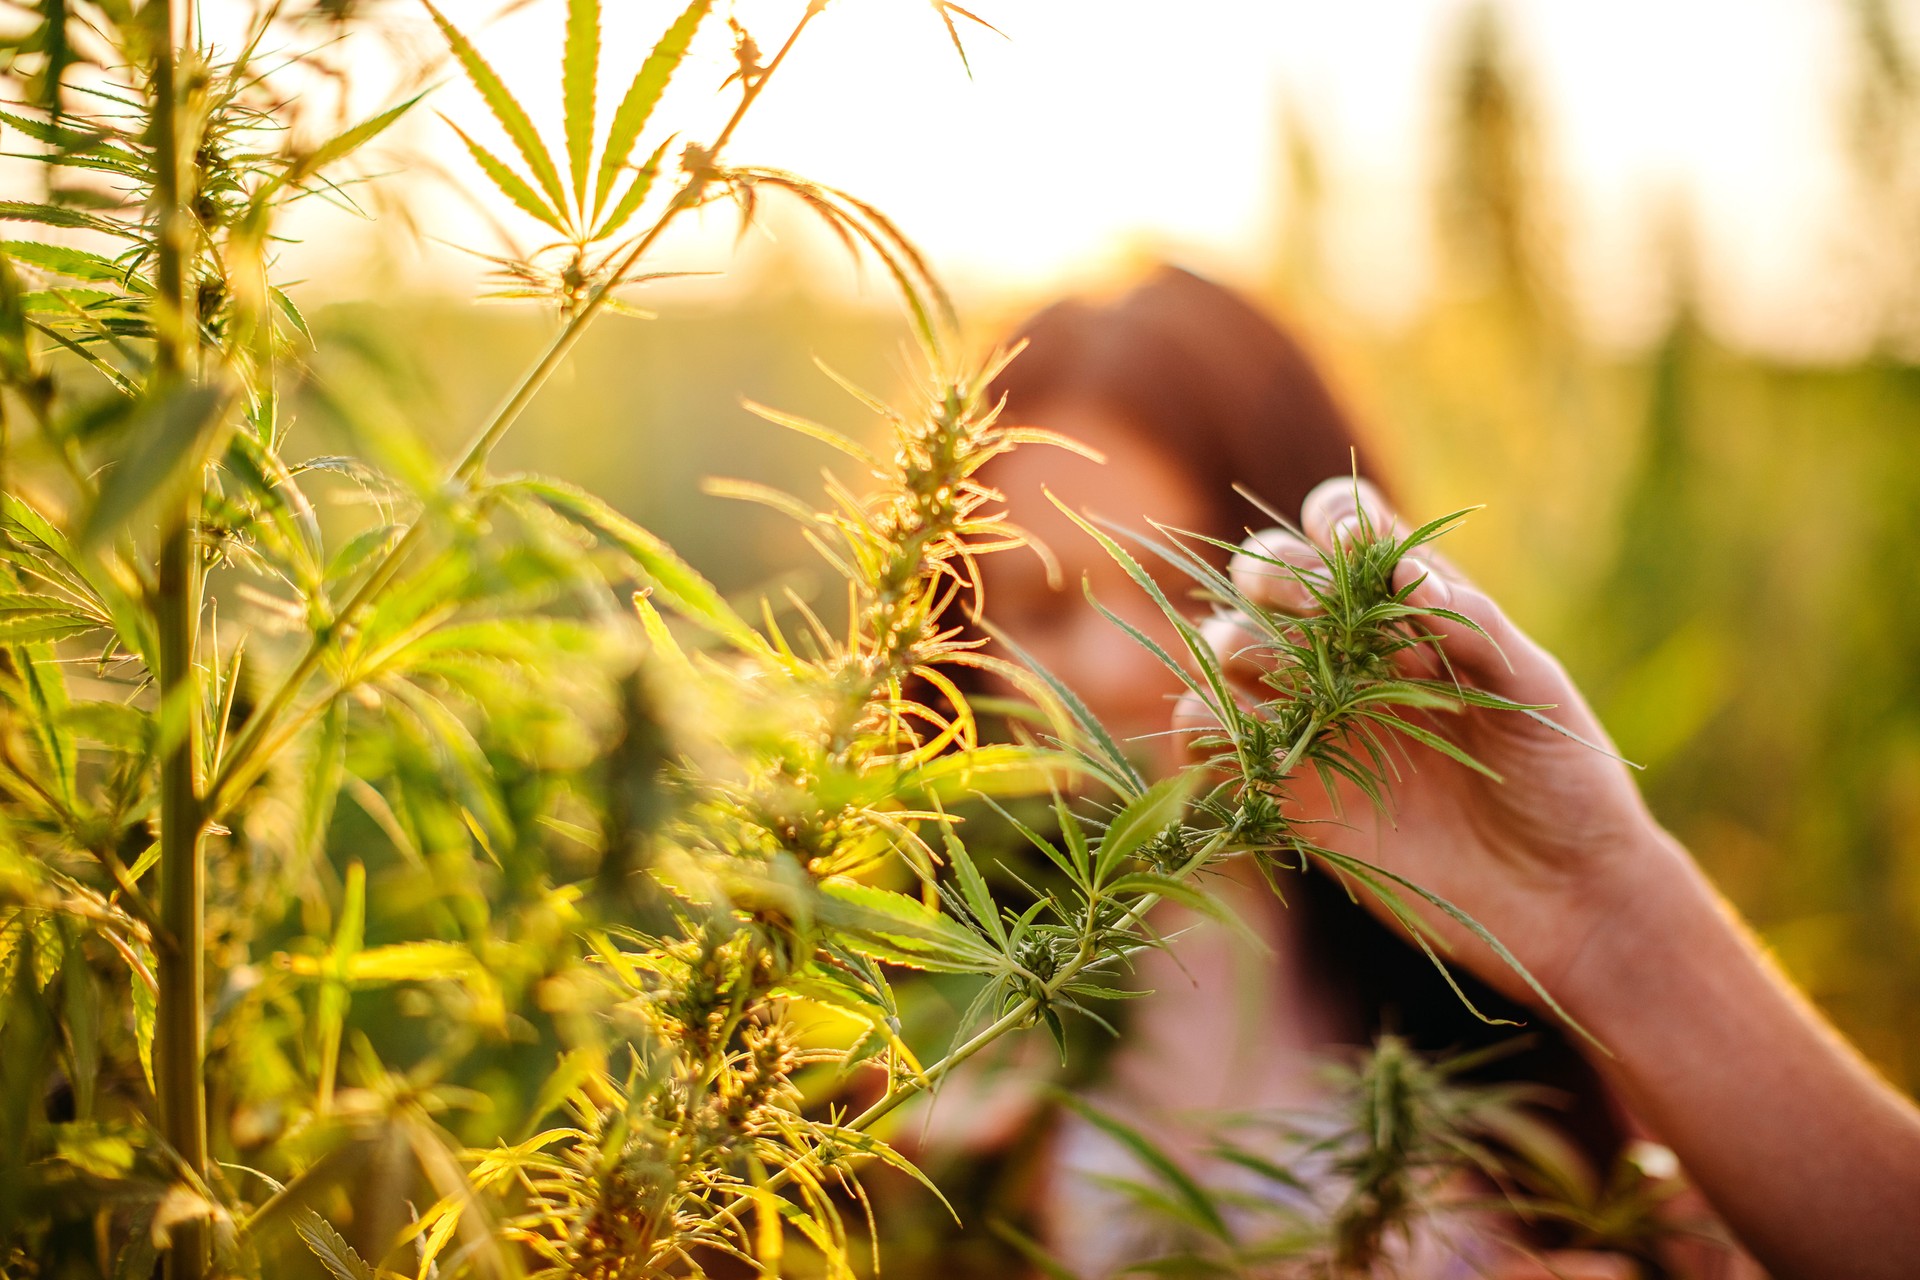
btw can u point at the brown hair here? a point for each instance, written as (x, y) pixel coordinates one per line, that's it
(1203, 373)
(1232, 397)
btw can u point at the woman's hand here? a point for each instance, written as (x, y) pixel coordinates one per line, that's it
(1542, 858)
(1811, 1158)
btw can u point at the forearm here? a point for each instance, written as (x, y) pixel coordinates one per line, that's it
(1805, 1152)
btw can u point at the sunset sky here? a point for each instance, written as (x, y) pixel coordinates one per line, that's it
(1100, 129)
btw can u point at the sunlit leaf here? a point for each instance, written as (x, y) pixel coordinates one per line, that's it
(505, 107)
(636, 107)
(510, 184)
(338, 147)
(634, 196)
(579, 76)
(75, 264)
(690, 594)
(173, 438)
(335, 1254)
(1143, 819)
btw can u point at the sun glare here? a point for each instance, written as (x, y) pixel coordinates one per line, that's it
(1094, 132)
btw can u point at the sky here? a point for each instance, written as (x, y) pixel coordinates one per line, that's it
(1096, 131)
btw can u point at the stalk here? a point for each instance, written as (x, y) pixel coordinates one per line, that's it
(1012, 1020)
(179, 1045)
(233, 772)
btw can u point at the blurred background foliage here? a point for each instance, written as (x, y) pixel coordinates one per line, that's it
(1720, 542)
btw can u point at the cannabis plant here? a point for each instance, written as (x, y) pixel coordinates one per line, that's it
(1403, 1161)
(171, 776)
(408, 868)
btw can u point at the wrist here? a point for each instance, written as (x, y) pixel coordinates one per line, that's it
(1638, 915)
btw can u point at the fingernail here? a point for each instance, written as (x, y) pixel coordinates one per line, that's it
(1434, 585)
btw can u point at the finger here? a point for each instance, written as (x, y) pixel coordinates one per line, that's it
(1192, 717)
(1269, 567)
(1345, 502)
(1197, 725)
(1342, 509)
(1487, 648)
(1491, 653)
(1240, 649)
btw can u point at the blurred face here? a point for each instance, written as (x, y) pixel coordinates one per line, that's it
(1125, 686)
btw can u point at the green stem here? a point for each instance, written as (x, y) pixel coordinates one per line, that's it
(179, 1030)
(180, 1022)
(474, 460)
(1012, 1020)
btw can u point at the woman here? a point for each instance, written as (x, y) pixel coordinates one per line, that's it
(1810, 1159)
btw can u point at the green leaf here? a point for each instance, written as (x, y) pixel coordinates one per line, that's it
(510, 184)
(906, 930)
(630, 117)
(1431, 740)
(1145, 817)
(113, 725)
(506, 109)
(813, 430)
(636, 194)
(46, 688)
(49, 950)
(320, 789)
(691, 595)
(1188, 1192)
(871, 1006)
(53, 215)
(80, 1009)
(579, 73)
(426, 961)
(88, 576)
(64, 301)
(575, 1068)
(68, 141)
(973, 886)
(360, 550)
(26, 618)
(1073, 863)
(928, 307)
(1430, 530)
(1383, 884)
(335, 148)
(1193, 899)
(74, 264)
(291, 312)
(145, 1011)
(868, 1145)
(1148, 643)
(1122, 769)
(1032, 1250)
(326, 1244)
(330, 1006)
(998, 769)
(173, 439)
(1197, 647)
(17, 364)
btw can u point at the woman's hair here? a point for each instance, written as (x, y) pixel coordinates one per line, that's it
(1200, 372)
(1224, 392)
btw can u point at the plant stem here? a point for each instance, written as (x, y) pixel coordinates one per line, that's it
(1010, 1021)
(474, 459)
(179, 1046)
(179, 1031)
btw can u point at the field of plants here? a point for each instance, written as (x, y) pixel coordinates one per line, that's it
(477, 800)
